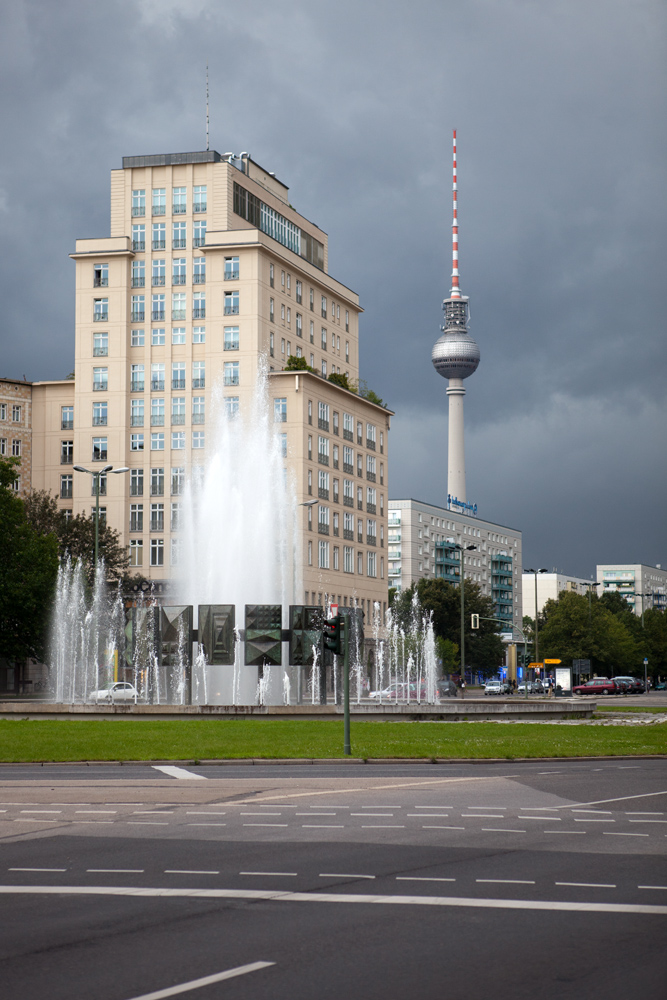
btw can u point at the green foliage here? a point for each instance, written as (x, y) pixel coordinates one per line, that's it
(76, 535)
(28, 569)
(448, 652)
(653, 642)
(573, 629)
(295, 364)
(366, 393)
(341, 379)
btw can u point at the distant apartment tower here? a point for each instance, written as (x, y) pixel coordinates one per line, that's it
(420, 546)
(549, 587)
(642, 586)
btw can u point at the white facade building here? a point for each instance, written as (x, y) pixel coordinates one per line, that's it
(642, 586)
(549, 586)
(419, 545)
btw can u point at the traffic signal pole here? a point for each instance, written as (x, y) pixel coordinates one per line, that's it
(347, 748)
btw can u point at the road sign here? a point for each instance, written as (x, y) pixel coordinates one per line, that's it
(552, 661)
(535, 666)
(333, 610)
(646, 661)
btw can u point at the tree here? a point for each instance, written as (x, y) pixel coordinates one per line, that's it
(341, 379)
(28, 570)
(295, 364)
(572, 631)
(653, 641)
(484, 647)
(366, 393)
(76, 535)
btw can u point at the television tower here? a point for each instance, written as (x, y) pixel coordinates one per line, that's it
(455, 356)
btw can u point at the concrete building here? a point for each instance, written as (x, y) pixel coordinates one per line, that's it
(642, 586)
(549, 586)
(420, 546)
(209, 272)
(16, 428)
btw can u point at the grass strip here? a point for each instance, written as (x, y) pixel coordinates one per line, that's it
(204, 739)
(632, 708)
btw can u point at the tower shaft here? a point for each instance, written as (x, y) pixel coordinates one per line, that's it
(456, 464)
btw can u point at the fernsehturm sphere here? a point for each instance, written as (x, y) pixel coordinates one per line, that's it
(455, 356)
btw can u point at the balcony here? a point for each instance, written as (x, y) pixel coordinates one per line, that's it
(348, 435)
(136, 489)
(158, 315)
(178, 209)
(199, 383)
(139, 282)
(178, 383)
(100, 386)
(198, 241)
(157, 419)
(157, 524)
(157, 489)
(157, 385)
(349, 468)
(158, 244)
(99, 421)
(371, 508)
(348, 502)
(360, 538)
(323, 424)
(371, 477)
(100, 282)
(159, 210)
(198, 207)
(231, 310)
(322, 529)
(178, 244)
(136, 420)
(178, 279)
(101, 317)
(66, 459)
(336, 531)
(100, 352)
(360, 504)
(371, 540)
(199, 279)
(138, 246)
(322, 493)
(199, 312)
(232, 275)
(348, 534)
(370, 444)
(177, 419)
(67, 425)
(158, 279)
(137, 316)
(138, 211)
(323, 459)
(197, 418)
(178, 314)
(137, 385)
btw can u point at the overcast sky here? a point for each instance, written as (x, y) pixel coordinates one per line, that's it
(560, 112)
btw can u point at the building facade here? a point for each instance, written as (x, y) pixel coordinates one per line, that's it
(642, 586)
(420, 545)
(549, 586)
(16, 429)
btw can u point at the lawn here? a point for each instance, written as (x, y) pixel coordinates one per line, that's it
(207, 739)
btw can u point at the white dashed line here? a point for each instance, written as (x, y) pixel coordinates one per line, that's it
(612, 833)
(144, 822)
(36, 869)
(201, 812)
(322, 826)
(443, 827)
(181, 871)
(422, 878)
(97, 812)
(206, 824)
(382, 826)
(272, 874)
(342, 875)
(588, 885)
(491, 829)
(262, 824)
(663, 887)
(117, 871)
(567, 832)
(507, 881)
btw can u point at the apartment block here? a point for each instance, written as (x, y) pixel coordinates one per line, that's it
(642, 586)
(16, 429)
(549, 586)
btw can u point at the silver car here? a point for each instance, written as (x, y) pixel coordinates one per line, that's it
(116, 692)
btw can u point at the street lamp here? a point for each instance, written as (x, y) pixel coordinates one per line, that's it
(590, 589)
(96, 473)
(537, 657)
(462, 549)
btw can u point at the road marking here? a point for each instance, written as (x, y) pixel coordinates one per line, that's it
(36, 869)
(97, 812)
(652, 887)
(117, 871)
(425, 816)
(422, 878)
(492, 829)
(621, 798)
(151, 812)
(206, 824)
(201, 812)
(261, 814)
(549, 772)
(595, 812)
(612, 833)
(507, 881)
(25, 819)
(260, 824)
(482, 816)
(144, 822)
(647, 821)
(492, 808)
(342, 875)
(588, 885)
(550, 819)
(589, 819)
(370, 814)
(442, 827)
(41, 810)
(381, 807)
(281, 896)
(315, 814)
(322, 826)
(644, 814)
(373, 788)
(382, 826)
(180, 871)
(178, 772)
(195, 984)
(582, 832)
(272, 874)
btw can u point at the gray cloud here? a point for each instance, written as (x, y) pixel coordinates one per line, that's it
(560, 113)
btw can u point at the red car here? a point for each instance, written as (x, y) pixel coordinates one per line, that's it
(598, 685)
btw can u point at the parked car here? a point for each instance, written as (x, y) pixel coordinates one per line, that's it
(446, 689)
(496, 687)
(597, 685)
(534, 687)
(116, 692)
(633, 685)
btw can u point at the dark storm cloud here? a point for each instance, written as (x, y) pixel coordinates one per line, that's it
(560, 116)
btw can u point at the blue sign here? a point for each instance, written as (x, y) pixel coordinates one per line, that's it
(455, 502)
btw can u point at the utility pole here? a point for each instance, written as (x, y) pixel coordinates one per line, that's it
(462, 549)
(537, 655)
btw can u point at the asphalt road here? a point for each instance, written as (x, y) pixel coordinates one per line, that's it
(386, 881)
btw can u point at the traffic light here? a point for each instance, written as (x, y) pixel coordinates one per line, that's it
(333, 634)
(474, 621)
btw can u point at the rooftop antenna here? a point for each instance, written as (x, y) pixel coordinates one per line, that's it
(207, 145)
(455, 292)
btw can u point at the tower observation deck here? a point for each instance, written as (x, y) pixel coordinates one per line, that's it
(455, 356)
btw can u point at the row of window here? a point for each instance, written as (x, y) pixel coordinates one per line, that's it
(324, 524)
(158, 307)
(178, 336)
(179, 200)
(157, 381)
(179, 239)
(323, 423)
(286, 285)
(158, 440)
(275, 225)
(159, 272)
(17, 412)
(348, 459)
(329, 557)
(15, 447)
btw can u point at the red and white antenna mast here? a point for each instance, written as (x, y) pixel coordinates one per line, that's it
(456, 291)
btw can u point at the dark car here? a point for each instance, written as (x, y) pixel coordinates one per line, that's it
(633, 685)
(446, 689)
(598, 685)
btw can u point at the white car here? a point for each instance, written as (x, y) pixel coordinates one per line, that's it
(534, 687)
(116, 692)
(495, 687)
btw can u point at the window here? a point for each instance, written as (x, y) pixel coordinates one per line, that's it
(157, 312)
(371, 564)
(232, 268)
(324, 368)
(199, 198)
(100, 345)
(199, 273)
(348, 559)
(177, 481)
(322, 450)
(157, 441)
(333, 311)
(370, 467)
(157, 377)
(66, 486)
(100, 275)
(136, 517)
(199, 233)
(348, 526)
(199, 335)
(232, 304)
(348, 459)
(157, 552)
(178, 235)
(348, 493)
(159, 201)
(370, 436)
(139, 201)
(158, 241)
(347, 325)
(336, 559)
(198, 409)
(198, 374)
(371, 494)
(138, 313)
(100, 310)
(336, 483)
(282, 345)
(381, 474)
(136, 552)
(324, 307)
(157, 412)
(199, 305)
(323, 561)
(178, 266)
(348, 427)
(16, 448)
(299, 291)
(347, 352)
(139, 238)
(360, 563)
(312, 336)
(289, 316)
(157, 337)
(231, 338)
(371, 532)
(67, 418)
(178, 305)
(323, 416)
(271, 275)
(179, 201)
(136, 378)
(310, 411)
(299, 325)
(136, 482)
(136, 442)
(198, 439)
(178, 440)
(231, 406)
(178, 335)
(99, 449)
(158, 272)
(310, 549)
(231, 373)
(280, 410)
(271, 345)
(157, 482)
(310, 447)
(359, 464)
(282, 312)
(3, 447)
(177, 410)
(175, 522)
(178, 374)
(299, 352)
(157, 517)
(324, 339)
(99, 414)
(100, 379)
(282, 439)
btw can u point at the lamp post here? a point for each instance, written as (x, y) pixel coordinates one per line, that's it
(462, 549)
(590, 613)
(96, 473)
(537, 655)
(308, 504)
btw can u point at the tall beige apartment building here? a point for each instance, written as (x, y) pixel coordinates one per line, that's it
(207, 271)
